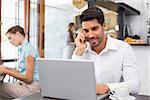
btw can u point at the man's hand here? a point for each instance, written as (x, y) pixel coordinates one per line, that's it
(102, 89)
(80, 42)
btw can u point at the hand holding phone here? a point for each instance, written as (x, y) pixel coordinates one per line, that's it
(80, 42)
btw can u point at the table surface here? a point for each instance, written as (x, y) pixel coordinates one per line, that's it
(37, 96)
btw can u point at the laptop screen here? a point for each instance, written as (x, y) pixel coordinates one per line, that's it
(67, 79)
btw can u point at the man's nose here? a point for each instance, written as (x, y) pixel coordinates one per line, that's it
(11, 41)
(90, 34)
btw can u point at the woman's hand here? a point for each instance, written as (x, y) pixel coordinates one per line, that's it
(2, 69)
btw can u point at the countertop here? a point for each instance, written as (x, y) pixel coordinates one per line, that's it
(140, 44)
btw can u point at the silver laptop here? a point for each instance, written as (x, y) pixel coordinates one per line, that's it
(68, 79)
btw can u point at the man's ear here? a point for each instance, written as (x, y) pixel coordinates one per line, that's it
(104, 26)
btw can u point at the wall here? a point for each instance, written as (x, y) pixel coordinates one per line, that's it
(143, 63)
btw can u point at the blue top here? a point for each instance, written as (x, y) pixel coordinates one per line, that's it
(28, 50)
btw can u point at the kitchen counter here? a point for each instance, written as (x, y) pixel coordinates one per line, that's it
(140, 44)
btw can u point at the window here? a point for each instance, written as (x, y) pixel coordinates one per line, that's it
(10, 18)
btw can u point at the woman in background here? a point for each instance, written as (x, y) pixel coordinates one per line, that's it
(27, 75)
(68, 50)
(72, 32)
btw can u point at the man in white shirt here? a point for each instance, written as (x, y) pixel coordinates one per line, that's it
(113, 58)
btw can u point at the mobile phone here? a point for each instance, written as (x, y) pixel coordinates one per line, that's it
(85, 40)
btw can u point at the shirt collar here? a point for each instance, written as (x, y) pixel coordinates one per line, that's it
(25, 42)
(110, 45)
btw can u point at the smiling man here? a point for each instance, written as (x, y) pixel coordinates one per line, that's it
(113, 59)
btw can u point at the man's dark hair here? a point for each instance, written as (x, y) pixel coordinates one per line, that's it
(92, 13)
(15, 29)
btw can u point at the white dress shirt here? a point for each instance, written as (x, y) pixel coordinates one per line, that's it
(117, 59)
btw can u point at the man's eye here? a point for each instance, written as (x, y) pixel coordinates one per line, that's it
(86, 31)
(94, 28)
